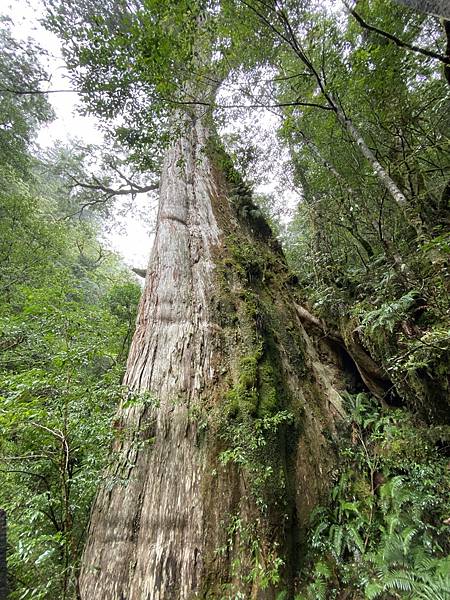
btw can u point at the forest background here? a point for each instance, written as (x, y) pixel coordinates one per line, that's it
(368, 248)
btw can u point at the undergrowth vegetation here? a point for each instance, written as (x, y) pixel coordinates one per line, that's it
(384, 533)
(67, 313)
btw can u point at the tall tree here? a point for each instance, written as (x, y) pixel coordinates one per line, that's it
(214, 477)
(215, 474)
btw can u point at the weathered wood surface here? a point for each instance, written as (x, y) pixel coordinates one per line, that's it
(146, 531)
(158, 519)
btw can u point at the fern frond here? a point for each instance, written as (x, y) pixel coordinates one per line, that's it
(336, 535)
(373, 590)
(407, 536)
(357, 539)
(433, 587)
(394, 551)
(323, 570)
(317, 590)
(403, 581)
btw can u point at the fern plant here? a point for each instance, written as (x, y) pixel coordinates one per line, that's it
(383, 533)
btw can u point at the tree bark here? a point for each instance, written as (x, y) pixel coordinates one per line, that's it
(221, 351)
(383, 176)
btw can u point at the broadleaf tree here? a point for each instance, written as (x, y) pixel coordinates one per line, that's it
(67, 309)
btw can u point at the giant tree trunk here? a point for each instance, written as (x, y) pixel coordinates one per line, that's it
(214, 475)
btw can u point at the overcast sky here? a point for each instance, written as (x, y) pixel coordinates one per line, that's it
(131, 238)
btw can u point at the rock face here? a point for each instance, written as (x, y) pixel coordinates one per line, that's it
(213, 475)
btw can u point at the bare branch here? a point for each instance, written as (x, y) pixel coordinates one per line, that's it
(132, 190)
(181, 102)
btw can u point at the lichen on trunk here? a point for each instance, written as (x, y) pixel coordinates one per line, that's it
(212, 481)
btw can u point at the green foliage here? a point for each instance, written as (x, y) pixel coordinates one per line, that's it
(389, 314)
(19, 114)
(356, 252)
(61, 363)
(255, 563)
(383, 531)
(250, 445)
(364, 262)
(67, 312)
(135, 63)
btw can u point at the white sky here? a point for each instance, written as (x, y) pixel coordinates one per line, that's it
(25, 15)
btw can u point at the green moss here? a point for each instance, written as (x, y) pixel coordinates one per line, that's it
(242, 399)
(247, 261)
(223, 161)
(268, 393)
(258, 391)
(249, 370)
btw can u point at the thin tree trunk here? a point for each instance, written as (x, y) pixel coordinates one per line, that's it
(219, 348)
(332, 103)
(3, 565)
(383, 176)
(353, 230)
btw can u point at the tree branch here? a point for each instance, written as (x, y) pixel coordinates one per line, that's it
(132, 190)
(177, 102)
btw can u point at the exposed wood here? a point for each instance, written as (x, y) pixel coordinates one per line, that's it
(162, 514)
(373, 376)
(307, 317)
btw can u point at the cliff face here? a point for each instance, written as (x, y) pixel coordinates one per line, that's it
(214, 473)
